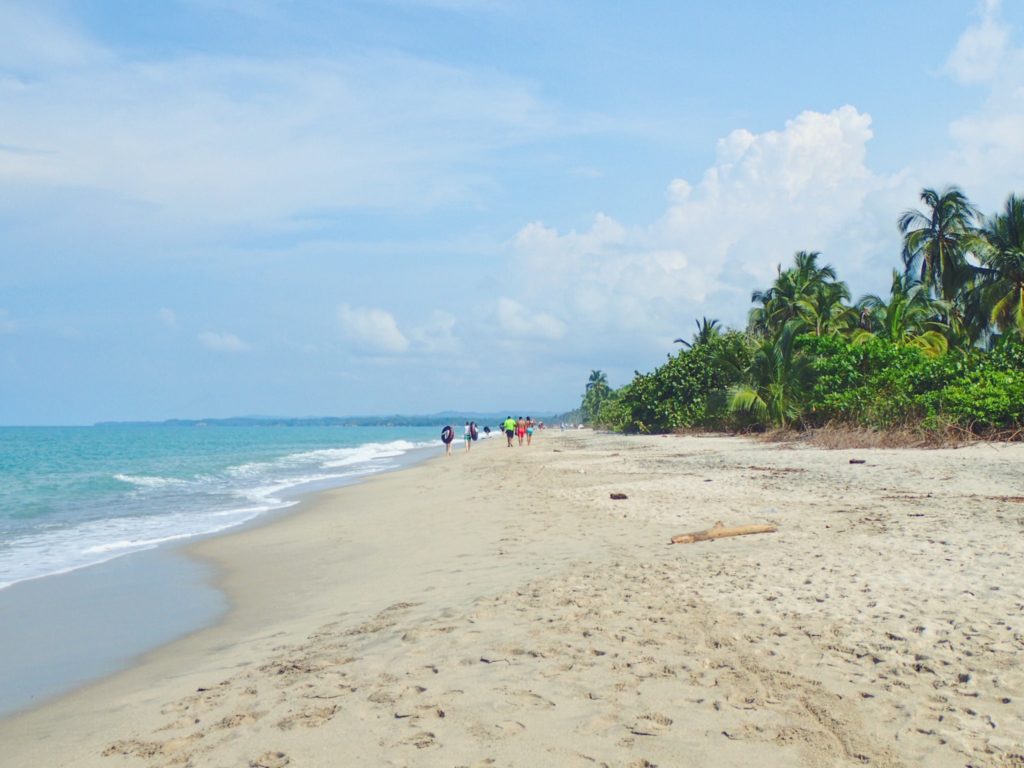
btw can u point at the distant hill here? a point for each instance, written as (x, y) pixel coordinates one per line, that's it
(426, 420)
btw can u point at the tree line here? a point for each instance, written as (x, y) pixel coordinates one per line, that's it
(944, 348)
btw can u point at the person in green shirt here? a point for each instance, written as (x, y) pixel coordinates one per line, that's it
(510, 429)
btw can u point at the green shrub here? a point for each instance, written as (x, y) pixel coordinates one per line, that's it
(687, 391)
(876, 384)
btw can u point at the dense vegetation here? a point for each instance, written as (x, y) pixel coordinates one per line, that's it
(945, 348)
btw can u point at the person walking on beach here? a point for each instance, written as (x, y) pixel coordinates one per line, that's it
(510, 429)
(467, 435)
(521, 430)
(447, 437)
(529, 430)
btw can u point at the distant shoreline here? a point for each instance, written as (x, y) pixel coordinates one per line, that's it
(429, 420)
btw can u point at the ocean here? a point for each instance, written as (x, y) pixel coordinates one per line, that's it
(90, 516)
(73, 497)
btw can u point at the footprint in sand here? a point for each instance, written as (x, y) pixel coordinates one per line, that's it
(309, 718)
(270, 760)
(535, 700)
(420, 740)
(510, 727)
(650, 724)
(237, 719)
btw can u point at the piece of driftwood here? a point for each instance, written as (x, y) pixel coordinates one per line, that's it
(619, 496)
(719, 531)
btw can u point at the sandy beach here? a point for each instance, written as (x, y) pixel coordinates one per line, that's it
(498, 608)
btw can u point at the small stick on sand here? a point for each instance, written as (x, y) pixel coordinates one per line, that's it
(719, 531)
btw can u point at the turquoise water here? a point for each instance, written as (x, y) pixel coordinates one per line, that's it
(72, 497)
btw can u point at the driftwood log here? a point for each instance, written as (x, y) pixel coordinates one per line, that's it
(719, 531)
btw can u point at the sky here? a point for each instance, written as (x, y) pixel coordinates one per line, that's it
(214, 208)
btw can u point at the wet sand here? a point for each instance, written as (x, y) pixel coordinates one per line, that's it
(499, 608)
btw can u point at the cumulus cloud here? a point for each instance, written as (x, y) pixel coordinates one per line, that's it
(805, 187)
(222, 342)
(371, 330)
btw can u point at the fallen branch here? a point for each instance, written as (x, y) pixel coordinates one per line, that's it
(719, 531)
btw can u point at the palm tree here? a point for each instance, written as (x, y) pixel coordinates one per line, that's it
(800, 284)
(596, 393)
(824, 313)
(1003, 267)
(706, 330)
(910, 316)
(598, 379)
(778, 379)
(934, 242)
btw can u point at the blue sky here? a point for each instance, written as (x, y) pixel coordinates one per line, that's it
(226, 207)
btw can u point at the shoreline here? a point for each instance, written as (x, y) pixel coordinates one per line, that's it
(117, 610)
(113, 613)
(498, 608)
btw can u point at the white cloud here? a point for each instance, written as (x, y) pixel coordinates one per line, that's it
(805, 187)
(989, 142)
(981, 48)
(168, 317)
(372, 330)
(520, 322)
(261, 141)
(222, 342)
(7, 325)
(771, 194)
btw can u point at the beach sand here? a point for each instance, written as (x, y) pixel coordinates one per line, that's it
(498, 608)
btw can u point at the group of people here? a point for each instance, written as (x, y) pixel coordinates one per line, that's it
(521, 428)
(470, 434)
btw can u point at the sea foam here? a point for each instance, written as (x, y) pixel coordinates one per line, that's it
(169, 485)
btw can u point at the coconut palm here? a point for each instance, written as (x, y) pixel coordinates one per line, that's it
(596, 393)
(823, 313)
(801, 283)
(706, 330)
(778, 379)
(598, 379)
(910, 316)
(1003, 267)
(935, 241)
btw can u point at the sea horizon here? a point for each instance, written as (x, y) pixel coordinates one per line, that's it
(362, 420)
